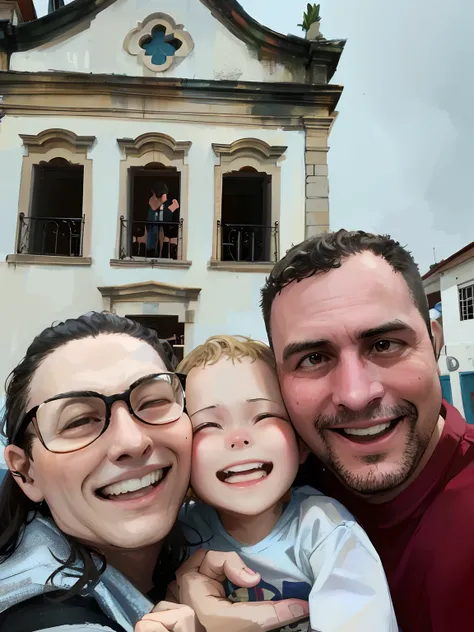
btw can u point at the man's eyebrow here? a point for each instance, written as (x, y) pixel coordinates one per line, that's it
(295, 348)
(386, 328)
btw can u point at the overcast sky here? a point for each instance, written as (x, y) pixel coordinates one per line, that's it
(401, 158)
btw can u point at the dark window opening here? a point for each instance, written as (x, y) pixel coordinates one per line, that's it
(170, 332)
(246, 231)
(55, 223)
(147, 232)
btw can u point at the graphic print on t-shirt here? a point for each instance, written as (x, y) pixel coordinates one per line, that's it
(266, 592)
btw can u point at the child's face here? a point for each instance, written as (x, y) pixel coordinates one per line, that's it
(245, 453)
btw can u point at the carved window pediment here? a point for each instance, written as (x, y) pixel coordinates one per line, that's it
(254, 148)
(55, 138)
(159, 42)
(154, 142)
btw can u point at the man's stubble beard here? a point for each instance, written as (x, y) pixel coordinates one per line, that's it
(375, 482)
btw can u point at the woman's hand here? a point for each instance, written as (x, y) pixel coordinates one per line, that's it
(169, 616)
(200, 585)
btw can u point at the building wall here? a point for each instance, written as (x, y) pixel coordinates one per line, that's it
(35, 296)
(217, 54)
(458, 335)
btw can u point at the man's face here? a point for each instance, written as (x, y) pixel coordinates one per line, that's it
(357, 371)
(245, 454)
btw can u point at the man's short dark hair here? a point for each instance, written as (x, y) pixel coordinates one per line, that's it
(159, 189)
(326, 252)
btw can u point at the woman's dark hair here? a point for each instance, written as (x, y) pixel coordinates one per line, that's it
(325, 252)
(159, 189)
(15, 506)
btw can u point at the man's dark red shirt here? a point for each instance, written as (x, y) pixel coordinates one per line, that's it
(424, 536)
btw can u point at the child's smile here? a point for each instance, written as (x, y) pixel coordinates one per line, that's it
(245, 472)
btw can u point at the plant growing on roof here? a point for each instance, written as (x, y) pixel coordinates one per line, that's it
(310, 16)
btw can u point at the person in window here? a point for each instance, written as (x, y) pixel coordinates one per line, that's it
(161, 231)
(99, 452)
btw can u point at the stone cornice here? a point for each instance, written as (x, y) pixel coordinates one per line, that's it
(280, 105)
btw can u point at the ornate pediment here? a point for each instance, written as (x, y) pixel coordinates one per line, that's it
(149, 291)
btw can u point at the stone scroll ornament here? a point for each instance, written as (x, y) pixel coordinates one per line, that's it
(159, 42)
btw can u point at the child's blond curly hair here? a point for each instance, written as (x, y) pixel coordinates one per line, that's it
(233, 347)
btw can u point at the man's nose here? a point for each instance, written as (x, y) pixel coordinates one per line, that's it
(129, 437)
(238, 439)
(356, 383)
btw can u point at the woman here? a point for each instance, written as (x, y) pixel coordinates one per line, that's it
(98, 452)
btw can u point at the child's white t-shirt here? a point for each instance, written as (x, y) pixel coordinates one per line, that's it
(316, 552)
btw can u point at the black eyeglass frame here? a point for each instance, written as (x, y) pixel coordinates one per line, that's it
(109, 401)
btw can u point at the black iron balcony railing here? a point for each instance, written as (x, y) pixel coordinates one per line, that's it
(251, 243)
(56, 236)
(152, 240)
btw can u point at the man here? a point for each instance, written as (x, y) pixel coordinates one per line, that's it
(356, 353)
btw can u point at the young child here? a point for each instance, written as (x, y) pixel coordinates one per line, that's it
(245, 458)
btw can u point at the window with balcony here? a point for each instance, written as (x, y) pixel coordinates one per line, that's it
(55, 199)
(466, 302)
(247, 205)
(55, 224)
(151, 233)
(246, 229)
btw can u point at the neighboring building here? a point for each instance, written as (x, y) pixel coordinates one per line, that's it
(451, 282)
(102, 99)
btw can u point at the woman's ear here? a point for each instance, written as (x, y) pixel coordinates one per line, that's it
(303, 450)
(19, 465)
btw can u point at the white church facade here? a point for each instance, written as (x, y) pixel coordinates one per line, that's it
(102, 102)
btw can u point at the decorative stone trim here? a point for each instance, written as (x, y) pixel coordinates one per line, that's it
(317, 183)
(47, 260)
(147, 29)
(154, 142)
(249, 147)
(55, 138)
(150, 263)
(241, 266)
(149, 291)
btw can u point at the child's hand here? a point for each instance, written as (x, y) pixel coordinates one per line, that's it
(169, 616)
(200, 583)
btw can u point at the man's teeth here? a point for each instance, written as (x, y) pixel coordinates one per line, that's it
(132, 484)
(243, 467)
(363, 432)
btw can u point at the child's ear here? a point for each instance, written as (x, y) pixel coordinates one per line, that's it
(303, 450)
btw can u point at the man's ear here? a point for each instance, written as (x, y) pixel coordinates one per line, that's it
(20, 467)
(303, 450)
(438, 337)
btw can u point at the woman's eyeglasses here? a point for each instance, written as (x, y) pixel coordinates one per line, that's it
(71, 421)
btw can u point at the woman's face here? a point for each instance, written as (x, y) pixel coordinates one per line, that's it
(129, 449)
